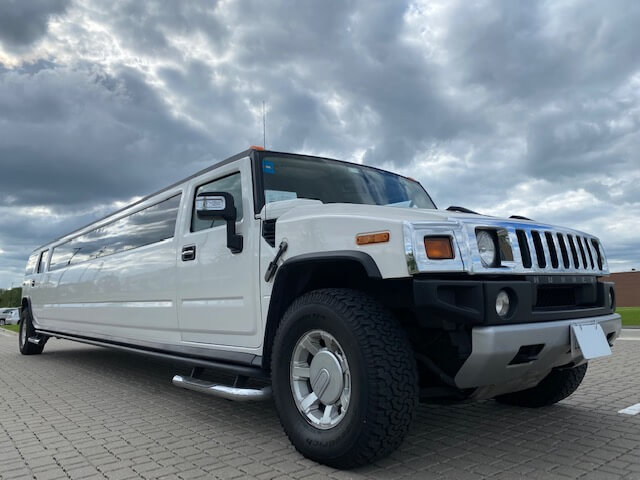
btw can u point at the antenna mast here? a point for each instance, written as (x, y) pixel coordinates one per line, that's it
(264, 127)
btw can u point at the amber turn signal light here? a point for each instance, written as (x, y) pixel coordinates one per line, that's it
(367, 238)
(438, 248)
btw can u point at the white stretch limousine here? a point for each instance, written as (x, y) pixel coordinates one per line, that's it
(341, 285)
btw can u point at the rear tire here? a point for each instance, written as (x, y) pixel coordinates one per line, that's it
(556, 386)
(377, 377)
(27, 330)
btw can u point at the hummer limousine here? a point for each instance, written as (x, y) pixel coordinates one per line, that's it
(341, 286)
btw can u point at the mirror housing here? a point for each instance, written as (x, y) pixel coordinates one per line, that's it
(212, 205)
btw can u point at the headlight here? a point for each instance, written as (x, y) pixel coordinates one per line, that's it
(487, 248)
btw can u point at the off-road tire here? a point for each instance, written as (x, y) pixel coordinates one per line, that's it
(556, 386)
(384, 380)
(26, 331)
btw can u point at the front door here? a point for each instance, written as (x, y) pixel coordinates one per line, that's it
(218, 293)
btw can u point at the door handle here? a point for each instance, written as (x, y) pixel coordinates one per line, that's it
(188, 253)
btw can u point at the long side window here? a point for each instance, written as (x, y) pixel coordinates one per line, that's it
(151, 225)
(229, 184)
(31, 263)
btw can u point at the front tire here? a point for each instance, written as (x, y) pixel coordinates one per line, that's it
(26, 331)
(344, 378)
(556, 386)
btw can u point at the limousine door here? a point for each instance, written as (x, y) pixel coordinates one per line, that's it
(218, 290)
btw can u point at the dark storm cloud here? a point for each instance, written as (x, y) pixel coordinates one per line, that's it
(505, 107)
(22, 22)
(94, 138)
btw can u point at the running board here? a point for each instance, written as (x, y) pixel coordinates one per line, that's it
(222, 391)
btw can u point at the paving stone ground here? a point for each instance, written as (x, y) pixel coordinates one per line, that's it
(85, 412)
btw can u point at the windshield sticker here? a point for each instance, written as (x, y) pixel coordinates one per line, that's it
(268, 167)
(271, 196)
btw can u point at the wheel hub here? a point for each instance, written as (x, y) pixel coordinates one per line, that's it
(326, 377)
(320, 379)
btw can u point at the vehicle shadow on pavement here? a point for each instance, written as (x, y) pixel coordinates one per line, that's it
(471, 440)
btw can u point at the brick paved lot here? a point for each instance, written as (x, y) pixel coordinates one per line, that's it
(86, 412)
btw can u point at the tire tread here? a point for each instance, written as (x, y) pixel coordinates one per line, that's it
(393, 375)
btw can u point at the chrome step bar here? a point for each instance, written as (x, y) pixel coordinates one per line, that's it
(222, 391)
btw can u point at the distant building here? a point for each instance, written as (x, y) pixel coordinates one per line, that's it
(627, 288)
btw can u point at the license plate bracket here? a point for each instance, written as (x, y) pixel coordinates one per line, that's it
(589, 340)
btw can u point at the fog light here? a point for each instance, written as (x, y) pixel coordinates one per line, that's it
(502, 303)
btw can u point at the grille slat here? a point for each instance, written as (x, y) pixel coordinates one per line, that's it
(574, 252)
(563, 250)
(552, 249)
(588, 247)
(596, 246)
(537, 243)
(582, 254)
(525, 253)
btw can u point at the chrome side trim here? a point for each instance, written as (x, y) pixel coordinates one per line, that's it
(222, 391)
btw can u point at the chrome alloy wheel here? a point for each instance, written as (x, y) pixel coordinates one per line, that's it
(320, 379)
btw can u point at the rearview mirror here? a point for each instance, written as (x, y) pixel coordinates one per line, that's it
(212, 205)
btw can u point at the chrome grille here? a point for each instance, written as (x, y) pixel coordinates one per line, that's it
(555, 251)
(525, 248)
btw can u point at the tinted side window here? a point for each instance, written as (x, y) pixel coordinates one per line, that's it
(151, 225)
(230, 184)
(43, 261)
(31, 264)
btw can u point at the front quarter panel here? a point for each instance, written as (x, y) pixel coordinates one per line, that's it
(334, 232)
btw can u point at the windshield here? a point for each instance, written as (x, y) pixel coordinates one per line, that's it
(331, 181)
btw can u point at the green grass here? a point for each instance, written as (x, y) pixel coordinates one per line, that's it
(13, 328)
(630, 316)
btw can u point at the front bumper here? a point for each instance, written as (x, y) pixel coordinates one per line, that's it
(495, 348)
(533, 299)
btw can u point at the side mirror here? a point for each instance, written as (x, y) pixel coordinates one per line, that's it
(212, 205)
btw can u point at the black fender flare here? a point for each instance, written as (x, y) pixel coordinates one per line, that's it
(282, 295)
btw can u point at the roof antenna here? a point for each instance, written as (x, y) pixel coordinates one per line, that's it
(264, 128)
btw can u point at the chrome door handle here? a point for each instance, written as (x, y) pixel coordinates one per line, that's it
(188, 253)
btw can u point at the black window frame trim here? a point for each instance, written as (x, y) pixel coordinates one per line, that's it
(193, 201)
(102, 225)
(258, 184)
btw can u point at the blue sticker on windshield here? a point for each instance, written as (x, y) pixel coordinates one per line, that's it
(268, 167)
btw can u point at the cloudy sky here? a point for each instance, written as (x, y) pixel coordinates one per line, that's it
(529, 108)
